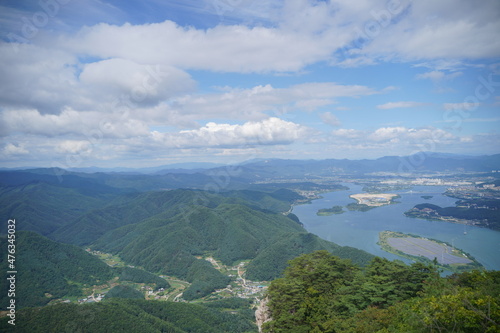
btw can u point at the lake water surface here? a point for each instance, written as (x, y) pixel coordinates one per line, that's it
(361, 229)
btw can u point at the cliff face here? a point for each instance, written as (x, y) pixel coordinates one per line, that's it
(262, 314)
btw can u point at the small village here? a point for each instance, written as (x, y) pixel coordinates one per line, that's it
(239, 287)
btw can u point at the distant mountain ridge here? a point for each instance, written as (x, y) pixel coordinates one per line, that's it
(418, 163)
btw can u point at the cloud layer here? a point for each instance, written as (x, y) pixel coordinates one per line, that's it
(104, 88)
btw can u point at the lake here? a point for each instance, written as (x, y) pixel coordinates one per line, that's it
(361, 229)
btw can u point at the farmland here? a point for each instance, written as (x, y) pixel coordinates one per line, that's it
(427, 250)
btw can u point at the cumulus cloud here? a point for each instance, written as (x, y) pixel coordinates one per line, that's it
(71, 122)
(399, 105)
(50, 80)
(145, 84)
(233, 48)
(304, 33)
(257, 102)
(73, 147)
(330, 119)
(11, 149)
(433, 30)
(271, 131)
(130, 85)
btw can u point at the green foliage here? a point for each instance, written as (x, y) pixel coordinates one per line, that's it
(272, 261)
(131, 209)
(48, 270)
(353, 206)
(43, 207)
(330, 211)
(121, 291)
(277, 201)
(165, 231)
(169, 242)
(488, 217)
(141, 276)
(125, 315)
(322, 293)
(230, 303)
(312, 290)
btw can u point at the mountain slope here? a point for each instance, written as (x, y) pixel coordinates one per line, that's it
(129, 316)
(230, 232)
(43, 207)
(49, 270)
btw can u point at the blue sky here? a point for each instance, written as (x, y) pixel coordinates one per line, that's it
(146, 83)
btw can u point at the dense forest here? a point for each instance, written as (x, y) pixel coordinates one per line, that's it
(317, 286)
(49, 270)
(132, 316)
(484, 212)
(120, 291)
(161, 231)
(323, 293)
(141, 276)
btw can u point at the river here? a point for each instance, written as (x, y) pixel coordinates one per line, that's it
(361, 229)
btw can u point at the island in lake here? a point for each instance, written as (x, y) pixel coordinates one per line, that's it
(483, 215)
(426, 197)
(330, 211)
(427, 251)
(367, 201)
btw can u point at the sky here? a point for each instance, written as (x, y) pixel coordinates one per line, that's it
(113, 83)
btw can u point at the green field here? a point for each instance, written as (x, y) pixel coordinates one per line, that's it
(426, 250)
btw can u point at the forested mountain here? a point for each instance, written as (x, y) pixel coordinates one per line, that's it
(141, 276)
(169, 242)
(422, 162)
(165, 231)
(173, 229)
(45, 207)
(49, 270)
(129, 316)
(323, 293)
(243, 176)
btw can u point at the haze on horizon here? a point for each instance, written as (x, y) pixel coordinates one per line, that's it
(146, 83)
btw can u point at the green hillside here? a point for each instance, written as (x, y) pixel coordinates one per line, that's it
(49, 270)
(126, 210)
(271, 262)
(141, 276)
(44, 207)
(163, 231)
(121, 291)
(323, 293)
(128, 316)
(230, 232)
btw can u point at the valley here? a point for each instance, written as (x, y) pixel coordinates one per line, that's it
(98, 241)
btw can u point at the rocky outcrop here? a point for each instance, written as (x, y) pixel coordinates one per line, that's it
(263, 313)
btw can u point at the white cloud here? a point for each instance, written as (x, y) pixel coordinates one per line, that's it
(348, 133)
(145, 84)
(63, 89)
(460, 106)
(74, 147)
(71, 122)
(255, 103)
(271, 131)
(433, 30)
(388, 136)
(438, 75)
(399, 105)
(330, 119)
(11, 149)
(222, 48)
